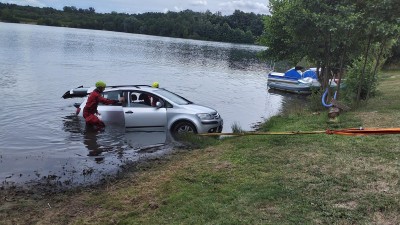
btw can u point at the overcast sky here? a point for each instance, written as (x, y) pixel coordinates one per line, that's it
(226, 7)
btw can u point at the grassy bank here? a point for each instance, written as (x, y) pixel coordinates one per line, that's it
(293, 179)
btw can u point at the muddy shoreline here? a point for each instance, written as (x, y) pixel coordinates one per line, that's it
(48, 186)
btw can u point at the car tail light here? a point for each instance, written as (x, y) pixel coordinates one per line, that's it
(78, 110)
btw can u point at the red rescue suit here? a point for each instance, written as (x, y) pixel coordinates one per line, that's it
(91, 108)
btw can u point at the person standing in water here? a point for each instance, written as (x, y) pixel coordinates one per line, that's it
(90, 111)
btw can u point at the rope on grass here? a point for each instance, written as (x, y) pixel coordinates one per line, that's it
(263, 133)
(349, 131)
(365, 131)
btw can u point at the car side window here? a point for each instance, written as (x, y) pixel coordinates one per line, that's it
(167, 104)
(113, 95)
(142, 99)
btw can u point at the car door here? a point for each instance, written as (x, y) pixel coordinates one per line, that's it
(139, 115)
(111, 114)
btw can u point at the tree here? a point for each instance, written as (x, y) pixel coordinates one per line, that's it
(330, 34)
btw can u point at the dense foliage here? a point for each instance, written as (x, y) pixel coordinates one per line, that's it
(332, 35)
(240, 27)
(353, 79)
(394, 58)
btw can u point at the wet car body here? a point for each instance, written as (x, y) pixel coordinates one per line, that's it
(149, 109)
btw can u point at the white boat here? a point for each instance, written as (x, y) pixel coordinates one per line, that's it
(292, 75)
(295, 81)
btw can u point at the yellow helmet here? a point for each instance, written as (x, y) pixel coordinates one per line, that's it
(100, 84)
(155, 84)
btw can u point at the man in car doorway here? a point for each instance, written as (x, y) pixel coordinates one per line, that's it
(90, 111)
(154, 100)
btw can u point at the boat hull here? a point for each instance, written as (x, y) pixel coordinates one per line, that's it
(281, 79)
(297, 88)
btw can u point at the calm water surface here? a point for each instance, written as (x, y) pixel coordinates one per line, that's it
(41, 139)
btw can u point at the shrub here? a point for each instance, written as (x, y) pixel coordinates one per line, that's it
(353, 80)
(314, 100)
(236, 128)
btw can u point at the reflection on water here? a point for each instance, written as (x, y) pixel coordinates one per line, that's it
(290, 102)
(114, 138)
(103, 155)
(91, 143)
(139, 140)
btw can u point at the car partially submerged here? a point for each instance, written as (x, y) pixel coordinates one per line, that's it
(151, 109)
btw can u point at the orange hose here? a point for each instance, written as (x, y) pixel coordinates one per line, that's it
(350, 131)
(364, 131)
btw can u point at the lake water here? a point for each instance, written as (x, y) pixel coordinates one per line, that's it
(42, 140)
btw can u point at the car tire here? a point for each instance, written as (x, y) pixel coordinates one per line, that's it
(184, 127)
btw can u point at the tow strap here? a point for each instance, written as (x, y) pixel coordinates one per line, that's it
(364, 131)
(349, 131)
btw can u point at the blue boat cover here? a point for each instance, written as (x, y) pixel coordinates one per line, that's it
(292, 74)
(310, 73)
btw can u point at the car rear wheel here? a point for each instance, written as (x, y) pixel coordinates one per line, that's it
(184, 127)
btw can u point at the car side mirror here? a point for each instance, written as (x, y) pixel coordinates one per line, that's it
(159, 105)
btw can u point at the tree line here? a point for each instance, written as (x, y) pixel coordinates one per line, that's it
(240, 27)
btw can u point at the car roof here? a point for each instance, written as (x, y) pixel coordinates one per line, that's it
(130, 87)
(84, 91)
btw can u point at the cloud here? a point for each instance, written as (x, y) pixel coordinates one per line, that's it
(245, 6)
(34, 3)
(199, 3)
(176, 9)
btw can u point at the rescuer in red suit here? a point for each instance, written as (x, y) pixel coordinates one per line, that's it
(90, 111)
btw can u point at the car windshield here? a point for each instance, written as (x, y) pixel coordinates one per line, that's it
(173, 97)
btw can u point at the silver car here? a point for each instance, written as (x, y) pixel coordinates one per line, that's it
(151, 109)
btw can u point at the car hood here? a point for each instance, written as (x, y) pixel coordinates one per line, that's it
(198, 108)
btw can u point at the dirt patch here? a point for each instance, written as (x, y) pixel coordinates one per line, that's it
(223, 165)
(385, 219)
(346, 205)
(377, 119)
(270, 211)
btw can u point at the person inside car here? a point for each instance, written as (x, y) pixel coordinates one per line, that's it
(133, 98)
(90, 110)
(144, 99)
(154, 100)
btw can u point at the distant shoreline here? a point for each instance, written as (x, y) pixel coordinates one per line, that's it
(240, 27)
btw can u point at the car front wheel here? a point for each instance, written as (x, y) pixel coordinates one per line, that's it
(184, 127)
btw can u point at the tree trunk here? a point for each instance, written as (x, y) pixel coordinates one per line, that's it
(325, 66)
(363, 71)
(378, 60)
(340, 72)
(344, 49)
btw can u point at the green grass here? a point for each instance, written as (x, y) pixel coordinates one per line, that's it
(271, 179)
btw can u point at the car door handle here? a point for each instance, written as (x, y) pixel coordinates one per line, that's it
(128, 112)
